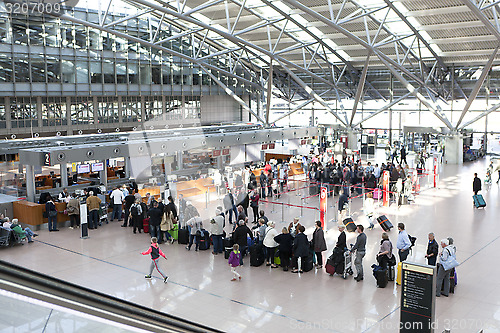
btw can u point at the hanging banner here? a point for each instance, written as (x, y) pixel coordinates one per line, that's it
(385, 186)
(323, 205)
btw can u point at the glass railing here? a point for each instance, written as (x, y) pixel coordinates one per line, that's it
(34, 302)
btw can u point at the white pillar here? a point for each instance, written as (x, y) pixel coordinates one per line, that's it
(104, 174)
(30, 183)
(63, 167)
(453, 146)
(180, 156)
(352, 140)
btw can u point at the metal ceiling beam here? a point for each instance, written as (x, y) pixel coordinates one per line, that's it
(130, 17)
(384, 108)
(269, 90)
(485, 113)
(233, 95)
(477, 86)
(361, 87)
(299, 107)
(312, 93)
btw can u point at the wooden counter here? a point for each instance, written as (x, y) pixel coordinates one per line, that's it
(32, 213)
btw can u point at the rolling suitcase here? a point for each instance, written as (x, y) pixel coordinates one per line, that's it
(330, 266)
(227, 252)
(145, 224)
(391, 273)
(307, 264)
(380, 275)
(204, 241)
(399, 277)
(256, 255)
(479, 201)
(349, 224)
(227, 242)
(174, 232)
(384, 222)
(183, 236)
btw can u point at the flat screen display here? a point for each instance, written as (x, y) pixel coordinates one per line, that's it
(83, 168)
(97, 167)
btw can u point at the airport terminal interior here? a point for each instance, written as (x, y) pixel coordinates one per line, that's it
(215, 127)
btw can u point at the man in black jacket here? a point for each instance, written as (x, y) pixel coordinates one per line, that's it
(129, 201)
(432, 250)
(172, 207)
(240, 238)
(341, 240)
(476, 184)
(155, 215)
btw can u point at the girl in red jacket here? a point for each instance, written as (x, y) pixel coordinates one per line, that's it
(155, 255)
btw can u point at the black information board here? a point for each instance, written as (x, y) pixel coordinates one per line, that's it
(417, 298)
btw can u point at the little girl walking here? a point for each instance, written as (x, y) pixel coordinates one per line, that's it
(234, 261)
(155, 252)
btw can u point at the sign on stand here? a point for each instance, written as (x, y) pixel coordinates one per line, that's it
(83, 221)
(385, 187)
(417, 311)
(323, 205)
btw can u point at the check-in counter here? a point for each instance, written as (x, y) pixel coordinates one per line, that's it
(32, 213)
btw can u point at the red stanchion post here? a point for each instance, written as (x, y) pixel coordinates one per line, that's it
(385, 185)
(323, 205)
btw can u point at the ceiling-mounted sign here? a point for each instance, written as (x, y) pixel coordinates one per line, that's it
(225, 152)
(216, 153)
(46, 159)
(264, 146)
(271, 145)
(303, 141)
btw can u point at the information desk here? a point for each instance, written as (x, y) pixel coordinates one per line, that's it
(194, 187)
(32, 213)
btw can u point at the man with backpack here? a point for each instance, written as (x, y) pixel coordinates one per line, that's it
(403, 243)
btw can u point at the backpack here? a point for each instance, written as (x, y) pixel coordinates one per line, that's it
(412, 241)
(134, 210)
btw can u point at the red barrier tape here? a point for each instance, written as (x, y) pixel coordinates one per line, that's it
(284, 204)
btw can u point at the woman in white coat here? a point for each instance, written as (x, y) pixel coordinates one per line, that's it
(270, 243)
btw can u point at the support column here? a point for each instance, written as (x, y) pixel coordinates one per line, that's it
(454, 149)
(219, 162)
(128, 165)
(103, 175)
(352, 139)
(8, 116)
(63, 167)
(30, 183)
(180, 155)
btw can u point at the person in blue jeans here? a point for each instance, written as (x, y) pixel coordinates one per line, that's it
(50, 208)
(217, 230)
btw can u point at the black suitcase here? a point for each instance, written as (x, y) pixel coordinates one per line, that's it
(384, 222)
(391, 273)
(204, 241)
(307, 264)
(183, 236)
(227, 252)
(313, 189)
(256, 255)
(349, 224)
(227, 242)
(381, 277)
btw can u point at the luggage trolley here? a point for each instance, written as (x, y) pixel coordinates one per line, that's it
(348, 262)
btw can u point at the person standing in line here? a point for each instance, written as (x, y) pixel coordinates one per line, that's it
(196, 223)
(476, 184)
(234, 261)
(403, 243)
(50, 208)
(136, 216)
(270, 244)
(263, 216)
(217, 230)
(155, 217)
(360, 248)
(385, 252)
(73, 209)
(432, 250)
(300, 249)
(167, 223)
(254, 203)
(443, 276)
(117, 198)
(293, 227)
(263, 184)
(172, 207)
(155, 252)
(240, 237)
(319, 244)
(285, 241)
(230, 207)
(93, 204)
(129, 200)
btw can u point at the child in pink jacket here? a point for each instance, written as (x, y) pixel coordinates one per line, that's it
(155, 255)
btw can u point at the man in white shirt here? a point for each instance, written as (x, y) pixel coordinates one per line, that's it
(376, 171)
(64, 196)
(116, 198)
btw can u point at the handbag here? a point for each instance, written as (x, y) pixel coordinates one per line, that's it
(450, 263)
(392, 261)
(53, 213)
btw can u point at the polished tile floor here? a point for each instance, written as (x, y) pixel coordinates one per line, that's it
(268, 299)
